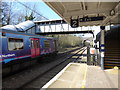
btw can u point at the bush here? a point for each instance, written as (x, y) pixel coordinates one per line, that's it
(66, 41)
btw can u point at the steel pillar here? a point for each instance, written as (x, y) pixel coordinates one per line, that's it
(102, 46)
(88, 55)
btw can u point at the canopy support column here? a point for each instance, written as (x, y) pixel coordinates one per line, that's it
(102, 46)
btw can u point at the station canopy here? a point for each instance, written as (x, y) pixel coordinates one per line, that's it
(87, 13)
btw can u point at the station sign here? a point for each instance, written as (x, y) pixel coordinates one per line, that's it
(74, 23)
(86, 19)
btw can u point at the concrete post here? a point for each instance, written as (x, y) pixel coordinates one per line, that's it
(102, 46)
(88, 55)
(96, 53)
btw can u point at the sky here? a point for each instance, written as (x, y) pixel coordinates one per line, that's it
(47, 12)
(40, 7)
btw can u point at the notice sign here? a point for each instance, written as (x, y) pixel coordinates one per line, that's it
(74, 23)
(86, 19)
(92, 50)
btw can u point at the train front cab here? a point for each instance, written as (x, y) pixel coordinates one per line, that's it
(15, 47)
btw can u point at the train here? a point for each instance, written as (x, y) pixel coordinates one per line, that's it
(16, 46)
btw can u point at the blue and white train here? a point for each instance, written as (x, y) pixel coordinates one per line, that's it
(16, 46)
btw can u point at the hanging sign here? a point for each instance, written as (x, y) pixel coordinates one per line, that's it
(86, 19)
(74, 23)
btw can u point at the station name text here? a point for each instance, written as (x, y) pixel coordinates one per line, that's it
(8, 55)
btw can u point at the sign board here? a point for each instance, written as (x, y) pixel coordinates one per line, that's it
(86, 19)
(92, 50)
(74, 23)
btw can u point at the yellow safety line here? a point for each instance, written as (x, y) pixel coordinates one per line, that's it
(84, 79)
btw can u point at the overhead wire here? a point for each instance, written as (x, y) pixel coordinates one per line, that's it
(31, 9)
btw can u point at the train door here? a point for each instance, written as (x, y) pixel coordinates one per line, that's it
(35, 47)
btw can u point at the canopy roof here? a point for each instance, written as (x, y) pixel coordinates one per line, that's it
(67, 10)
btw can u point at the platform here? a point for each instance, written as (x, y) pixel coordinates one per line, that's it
(78, 75)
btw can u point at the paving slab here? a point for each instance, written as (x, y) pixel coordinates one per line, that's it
(78, 75)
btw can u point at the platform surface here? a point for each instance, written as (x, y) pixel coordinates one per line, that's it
(76, 75)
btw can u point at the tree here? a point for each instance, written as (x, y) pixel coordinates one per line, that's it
(8, 15)
(31, 12)
(0, 14)
(30, 17)
(5, 13)
(16, 12)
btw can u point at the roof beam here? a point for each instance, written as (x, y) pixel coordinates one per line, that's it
(65, 32)
(85, 12)
(83, 6)
(113, 14)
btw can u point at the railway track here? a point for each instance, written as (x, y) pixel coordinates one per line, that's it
(41, 80)
(30, 76)
(14, 69)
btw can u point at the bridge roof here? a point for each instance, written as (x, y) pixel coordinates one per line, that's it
(20, 27)
(67, 10)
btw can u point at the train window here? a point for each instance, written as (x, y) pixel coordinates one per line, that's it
(32, 43)
(37, 44)
(11, 44)
(19, 44)
(47, 43)
(15, 44)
